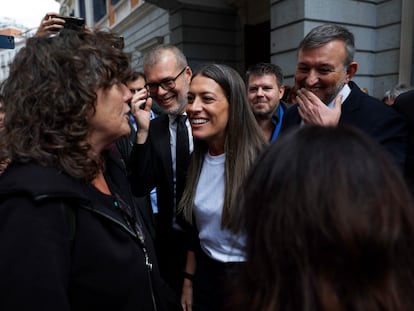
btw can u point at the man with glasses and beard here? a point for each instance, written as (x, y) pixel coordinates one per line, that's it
(326, 95)
(160, 156)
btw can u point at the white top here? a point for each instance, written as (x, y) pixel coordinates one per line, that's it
(220, 244)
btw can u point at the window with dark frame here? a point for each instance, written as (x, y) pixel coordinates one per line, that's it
(99, 10)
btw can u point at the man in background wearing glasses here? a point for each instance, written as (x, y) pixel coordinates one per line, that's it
(155, 160)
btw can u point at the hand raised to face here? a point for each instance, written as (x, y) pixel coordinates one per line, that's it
(314, 112)
(141, 110)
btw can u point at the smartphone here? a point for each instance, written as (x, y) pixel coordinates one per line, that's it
(6, 42)
(74, 23)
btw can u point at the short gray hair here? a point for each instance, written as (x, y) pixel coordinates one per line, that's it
(325, 33)
(152, 57)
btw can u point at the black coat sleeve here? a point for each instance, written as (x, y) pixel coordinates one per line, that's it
(35, 255)
(141, 169)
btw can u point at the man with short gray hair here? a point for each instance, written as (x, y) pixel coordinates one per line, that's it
(327, 96)
(157, 159)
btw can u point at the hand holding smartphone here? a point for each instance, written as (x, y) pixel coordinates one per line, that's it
(74, 23)
(52, 23)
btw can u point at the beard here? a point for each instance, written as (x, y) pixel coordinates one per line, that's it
(264, 112)
(263, 115)
(177, 108)
(332, 92)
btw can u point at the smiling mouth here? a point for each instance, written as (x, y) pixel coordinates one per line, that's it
(166, 100)
(199, 121)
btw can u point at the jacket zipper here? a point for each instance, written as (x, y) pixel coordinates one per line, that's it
(140, 241)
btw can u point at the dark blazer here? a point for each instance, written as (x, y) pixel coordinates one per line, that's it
(370, 115)
(43, 266)
(150, 166)
(124, 148)
(404, 104)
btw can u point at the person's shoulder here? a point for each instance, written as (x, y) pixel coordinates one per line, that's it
(160, 120)
(291, 111)
(405, 99)
(54, 183)
(284, 105)
(376, 108)
(404, 104)
(291, 117)
(365, 100)
(159, 124)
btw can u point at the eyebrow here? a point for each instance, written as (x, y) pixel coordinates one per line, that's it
(314, 65)
(202, 93)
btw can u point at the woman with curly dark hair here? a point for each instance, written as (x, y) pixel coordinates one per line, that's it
(329, 224)
(71, 238)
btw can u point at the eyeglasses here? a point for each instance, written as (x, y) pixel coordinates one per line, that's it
(133, 91)
(167, 84)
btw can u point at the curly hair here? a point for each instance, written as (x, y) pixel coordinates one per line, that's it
(50, 96)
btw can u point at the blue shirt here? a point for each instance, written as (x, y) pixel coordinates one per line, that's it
(277, 119)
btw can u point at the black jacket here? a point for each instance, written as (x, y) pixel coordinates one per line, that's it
(371, 116)
(404, 104)
(43, 266)
(150, 166)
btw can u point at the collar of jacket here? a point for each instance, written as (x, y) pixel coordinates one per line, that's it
(48, 183)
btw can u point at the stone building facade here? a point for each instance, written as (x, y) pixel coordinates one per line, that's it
(242, 32)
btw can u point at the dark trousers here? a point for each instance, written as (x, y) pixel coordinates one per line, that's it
(211, 286)
(171, 249)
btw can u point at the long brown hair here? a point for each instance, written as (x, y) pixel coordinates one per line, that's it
(243, 142)
(329, 226)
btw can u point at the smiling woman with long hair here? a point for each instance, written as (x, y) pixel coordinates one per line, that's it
(227, 140)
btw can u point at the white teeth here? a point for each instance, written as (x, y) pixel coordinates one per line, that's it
(198, 121)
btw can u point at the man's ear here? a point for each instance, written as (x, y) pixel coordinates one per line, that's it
(351, 70)
(282, 91)
(188, 73)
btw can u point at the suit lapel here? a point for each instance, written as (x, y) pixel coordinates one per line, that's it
(161, 143)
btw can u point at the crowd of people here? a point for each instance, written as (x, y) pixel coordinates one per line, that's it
(174, 189)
